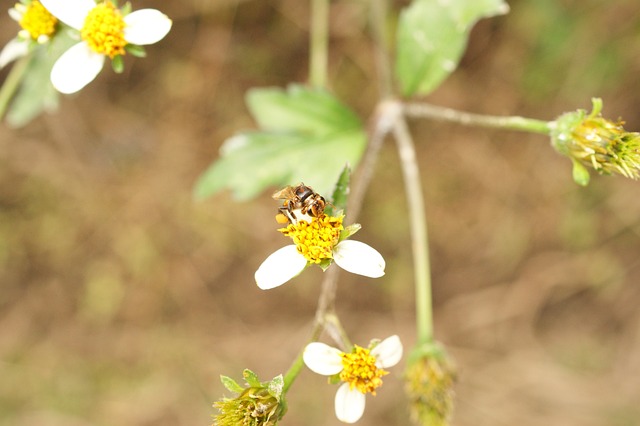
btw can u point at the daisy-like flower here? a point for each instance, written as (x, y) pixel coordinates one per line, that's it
(361, 370)
(318, 240)
(106, 31)
(37, 26)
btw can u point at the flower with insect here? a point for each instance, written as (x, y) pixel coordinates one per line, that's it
(319, 240)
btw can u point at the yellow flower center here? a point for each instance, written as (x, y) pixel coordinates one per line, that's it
(103, 30)
(315, 240)
(37, 21)
(360, 370)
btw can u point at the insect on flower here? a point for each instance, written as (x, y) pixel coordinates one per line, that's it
(318, 239)
(300, 199)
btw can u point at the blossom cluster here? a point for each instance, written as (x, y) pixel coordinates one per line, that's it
(319, 238)
(102, 29)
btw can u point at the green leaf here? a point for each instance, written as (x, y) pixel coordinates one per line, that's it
(231, 384)
(580, 174)
(431, 38)
(36, 93)
(251, 378)
(307, 136)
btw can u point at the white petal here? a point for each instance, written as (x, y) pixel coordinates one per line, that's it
(146, 26)
(76, 68)
(322, 359)
(15, 14)
(13, 50)
(280, 267)
(71, 12)
(359, 258)
(349, 404)
(388, 352)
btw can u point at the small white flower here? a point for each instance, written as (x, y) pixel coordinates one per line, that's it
(360, 370)
(104, 32)
(37, 26)
(352, 256)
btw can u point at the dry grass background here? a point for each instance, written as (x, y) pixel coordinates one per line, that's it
(122, 300)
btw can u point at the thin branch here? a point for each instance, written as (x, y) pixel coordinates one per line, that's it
(424, 110)
(419, 238)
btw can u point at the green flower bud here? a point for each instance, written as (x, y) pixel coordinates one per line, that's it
(429, 378)
(260, 404)
(593, 141)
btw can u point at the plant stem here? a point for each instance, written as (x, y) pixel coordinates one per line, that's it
(292, 372)
(381, 46)
(12, 83)
(419, 238)
(326, 319)
(424, 110)
(319, 43)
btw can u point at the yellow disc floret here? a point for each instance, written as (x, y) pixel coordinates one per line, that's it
(360, 370)
(37, 21)
(103, 30)
(315, 239)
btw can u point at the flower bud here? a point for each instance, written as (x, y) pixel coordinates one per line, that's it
(429, 378)
(260, 404)
(593, 141)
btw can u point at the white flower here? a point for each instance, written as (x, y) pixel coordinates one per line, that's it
(360, 370)
(37, 25)
(104, 32)
(352, 256)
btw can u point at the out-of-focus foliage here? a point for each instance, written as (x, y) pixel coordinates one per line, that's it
(305, 134)
(431, 38)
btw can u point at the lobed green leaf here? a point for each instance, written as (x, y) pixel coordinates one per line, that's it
(307, 136)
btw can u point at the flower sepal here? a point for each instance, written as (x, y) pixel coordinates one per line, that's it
(117, 63)
(349, 230)
(323, 264)
(136, 50)
(125, 9)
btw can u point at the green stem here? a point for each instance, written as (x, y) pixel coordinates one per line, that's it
(419, 237)
(423, 110)
(379, 21)
(326, 320)
(12, 83)
(319, 43)
(292, 373)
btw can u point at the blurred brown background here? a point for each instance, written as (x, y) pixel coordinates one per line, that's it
(122, 300)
